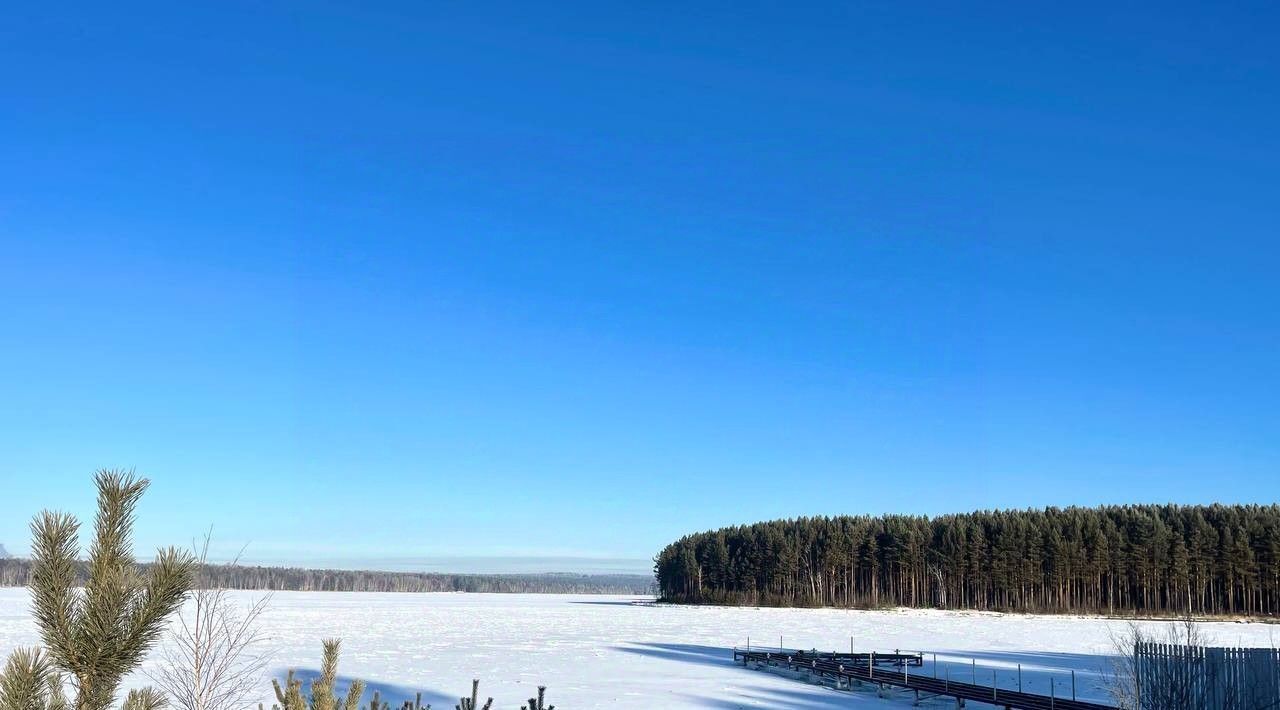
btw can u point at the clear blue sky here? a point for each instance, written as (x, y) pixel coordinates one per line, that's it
(569, 280)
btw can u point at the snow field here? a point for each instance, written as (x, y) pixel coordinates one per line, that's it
(610, 652)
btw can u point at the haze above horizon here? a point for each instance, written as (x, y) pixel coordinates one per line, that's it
(539, 283)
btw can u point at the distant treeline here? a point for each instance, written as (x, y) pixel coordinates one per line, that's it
(15, 572)
(1165, 559)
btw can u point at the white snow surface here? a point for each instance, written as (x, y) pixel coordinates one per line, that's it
(625, 652)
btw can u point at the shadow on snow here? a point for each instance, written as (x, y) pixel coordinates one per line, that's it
(392, 693)
(780, 699)
(682, 652)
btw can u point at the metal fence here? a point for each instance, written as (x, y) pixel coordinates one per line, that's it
(1173, 677)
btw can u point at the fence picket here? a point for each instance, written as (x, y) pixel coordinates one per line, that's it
(1219, 678)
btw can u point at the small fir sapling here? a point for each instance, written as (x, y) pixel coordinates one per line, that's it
(323, 693)
(538, 703)
(470, 703)
(98, 634)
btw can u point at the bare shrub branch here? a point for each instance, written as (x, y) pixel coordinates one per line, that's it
(214, 658)
(1123, 683)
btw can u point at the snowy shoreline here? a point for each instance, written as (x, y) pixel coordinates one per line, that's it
(1226, 619)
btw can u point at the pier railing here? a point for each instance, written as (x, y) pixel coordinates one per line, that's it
(893, 671)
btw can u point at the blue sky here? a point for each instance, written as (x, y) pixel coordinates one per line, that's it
(467, 281)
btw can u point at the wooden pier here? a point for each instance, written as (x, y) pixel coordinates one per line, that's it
(892, 671)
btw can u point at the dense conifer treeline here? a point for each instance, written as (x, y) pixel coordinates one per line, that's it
(1147, 559)
(15, 573)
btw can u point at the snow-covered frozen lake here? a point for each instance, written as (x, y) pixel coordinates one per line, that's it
(600, 651)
